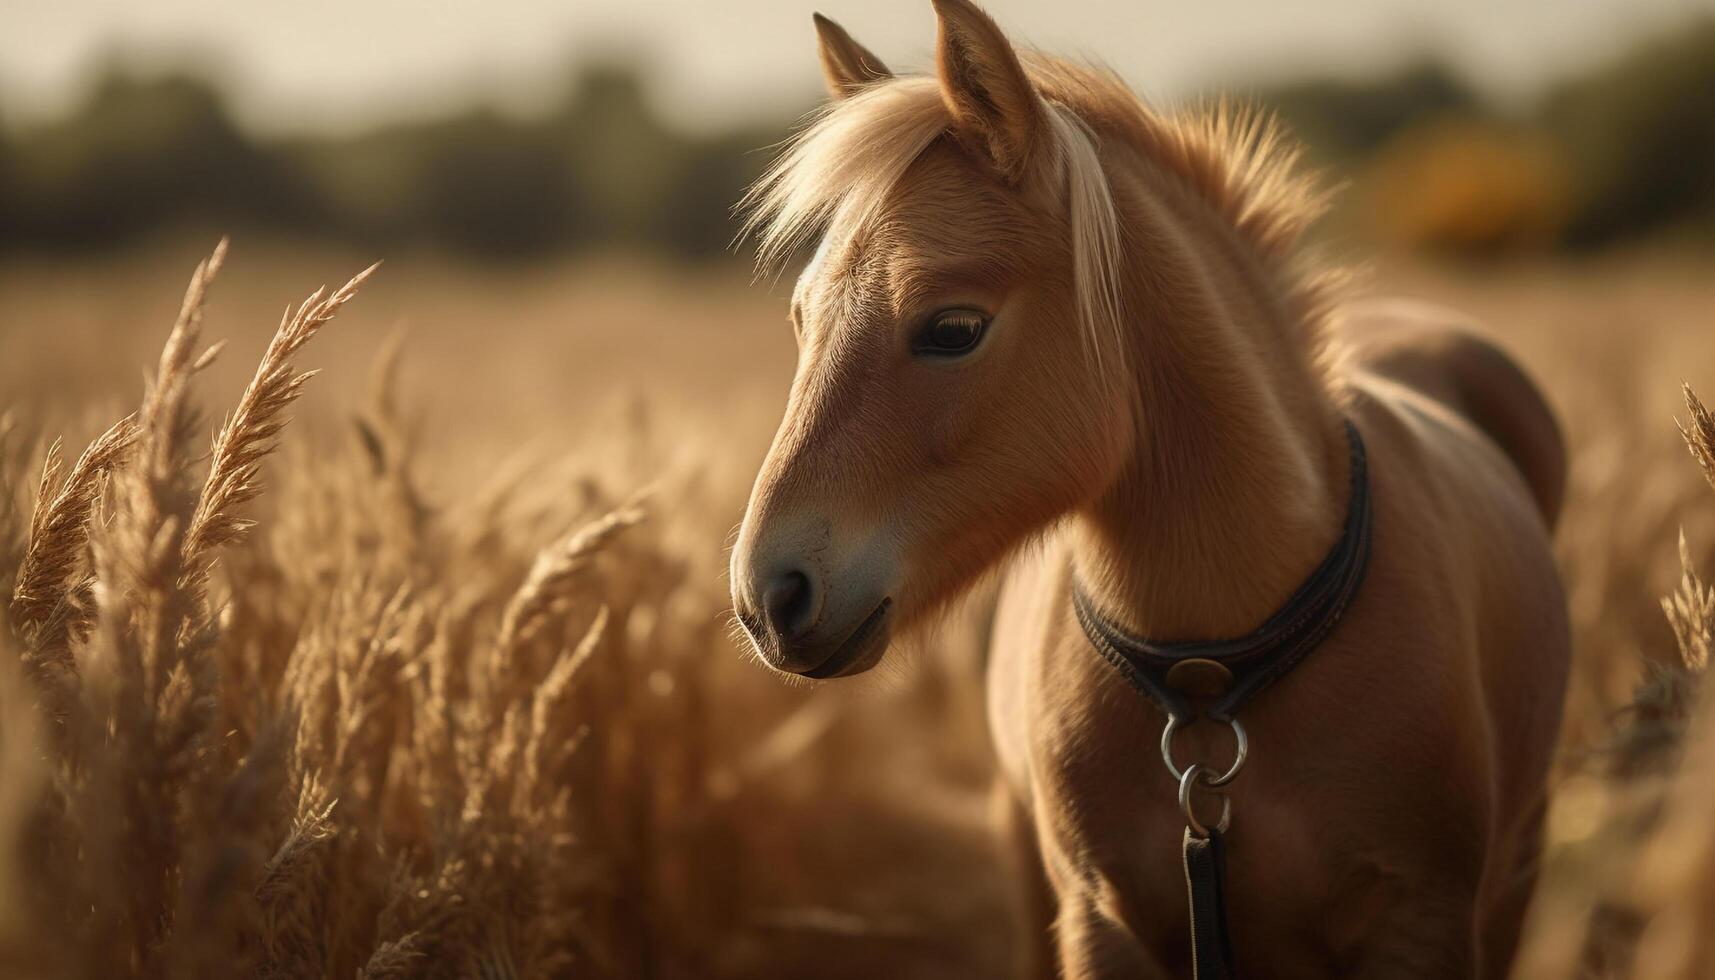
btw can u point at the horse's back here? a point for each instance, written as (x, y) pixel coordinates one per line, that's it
(1436, 352)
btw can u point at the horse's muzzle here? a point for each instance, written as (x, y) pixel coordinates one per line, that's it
(818, 653)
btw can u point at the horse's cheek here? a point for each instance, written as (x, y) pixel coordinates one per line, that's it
(946, 426)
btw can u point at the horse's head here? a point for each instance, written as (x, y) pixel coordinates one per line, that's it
(956, 387)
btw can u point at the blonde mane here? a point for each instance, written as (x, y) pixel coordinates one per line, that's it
(840, 169)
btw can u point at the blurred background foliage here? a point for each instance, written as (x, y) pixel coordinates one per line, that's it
(1621, 151)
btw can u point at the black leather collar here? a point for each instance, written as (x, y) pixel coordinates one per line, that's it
(1258, 659)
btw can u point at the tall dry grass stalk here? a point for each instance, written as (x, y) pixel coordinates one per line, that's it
(47, 611)
(1699, 433)
(1691, 609)
(250, 432)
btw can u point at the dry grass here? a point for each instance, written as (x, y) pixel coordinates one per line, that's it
(358, 732)
(1632, 895)
(396, 705)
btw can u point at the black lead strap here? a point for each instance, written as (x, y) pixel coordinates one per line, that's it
(1213, 679)
(1205, 881)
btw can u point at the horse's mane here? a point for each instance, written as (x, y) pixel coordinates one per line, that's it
(1236, 157)
(840, 168)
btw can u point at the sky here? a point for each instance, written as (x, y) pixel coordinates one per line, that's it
(335, 65)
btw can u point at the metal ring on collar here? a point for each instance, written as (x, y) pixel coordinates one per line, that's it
(1242, 750)
(1194, 774)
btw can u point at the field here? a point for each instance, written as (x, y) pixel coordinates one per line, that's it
(463, 700)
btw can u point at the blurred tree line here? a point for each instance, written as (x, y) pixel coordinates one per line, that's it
(1623, 150)
(142, 156)
(1620, 151)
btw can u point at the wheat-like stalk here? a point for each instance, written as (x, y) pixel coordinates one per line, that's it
(59, 529)
(548, 744)
(167, 418)
(555, 572)
(292, 891)
(137, 558)
(1691, 608)
(1699, 433)
(178, 361)
(1690, 611)
(400, 959)
(251, 431)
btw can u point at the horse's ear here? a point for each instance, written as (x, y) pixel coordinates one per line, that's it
(846, 65)
(985, 87)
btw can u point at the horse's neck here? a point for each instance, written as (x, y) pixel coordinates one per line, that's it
(1235, 483)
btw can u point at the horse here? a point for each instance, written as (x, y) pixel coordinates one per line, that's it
(1054, 335)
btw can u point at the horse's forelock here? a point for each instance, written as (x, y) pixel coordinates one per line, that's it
(838, 171)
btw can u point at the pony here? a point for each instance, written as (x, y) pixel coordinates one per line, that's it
(1053, 334)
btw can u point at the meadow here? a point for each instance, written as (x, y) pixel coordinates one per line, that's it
(438, 679)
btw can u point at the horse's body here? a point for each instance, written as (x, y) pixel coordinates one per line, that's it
(1387, 820)
(1050, 328)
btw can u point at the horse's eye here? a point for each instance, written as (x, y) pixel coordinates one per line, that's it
(950, 333)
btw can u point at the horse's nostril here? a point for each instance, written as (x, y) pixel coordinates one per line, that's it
(789, 604)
